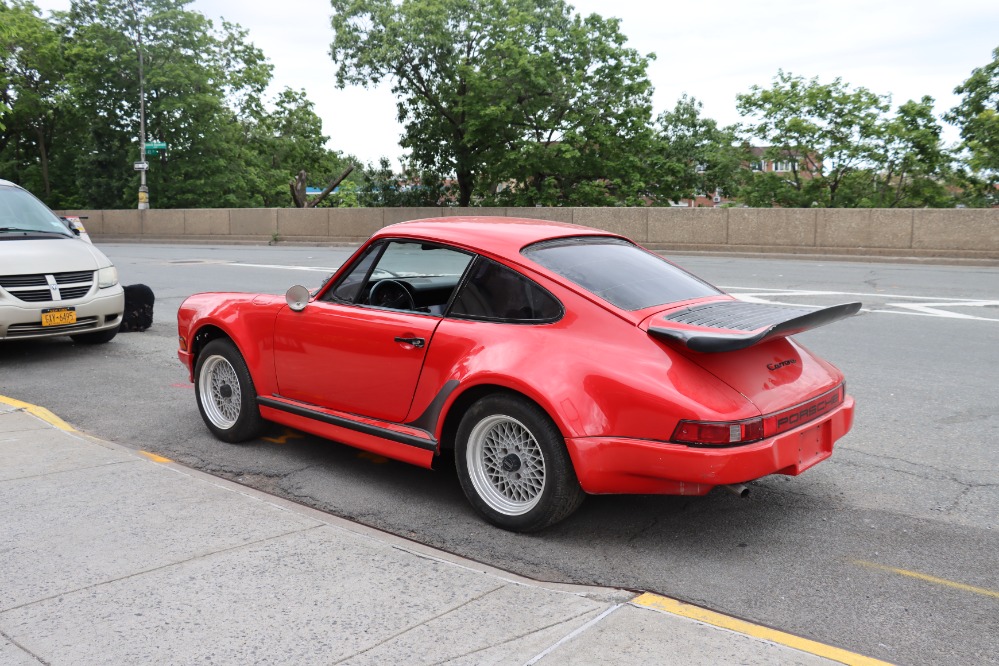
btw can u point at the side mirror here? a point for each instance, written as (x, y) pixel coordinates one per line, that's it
(297, 297)
(75, 228)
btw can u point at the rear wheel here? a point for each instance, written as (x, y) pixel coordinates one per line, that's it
(513, 464)
(225, 394)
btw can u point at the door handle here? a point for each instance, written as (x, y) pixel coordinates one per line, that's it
(416, 342)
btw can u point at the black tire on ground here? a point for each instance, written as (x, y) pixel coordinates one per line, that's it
(513, 464)
(224, 390)
(98, 338)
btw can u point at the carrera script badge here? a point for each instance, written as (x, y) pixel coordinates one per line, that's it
(773, 367)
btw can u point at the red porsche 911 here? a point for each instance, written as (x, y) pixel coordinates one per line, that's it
(554, 360)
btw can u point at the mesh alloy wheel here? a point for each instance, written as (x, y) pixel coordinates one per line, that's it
(225, 393)
(221, 396)
(506, 465)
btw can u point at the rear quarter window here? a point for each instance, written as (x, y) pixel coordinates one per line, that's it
(493, 292)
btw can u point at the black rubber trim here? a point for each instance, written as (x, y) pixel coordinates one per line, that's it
(776, 322)
(432, 414)
(429, 444)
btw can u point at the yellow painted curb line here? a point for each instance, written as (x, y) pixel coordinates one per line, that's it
(155, 458)
(674, 607)
(40, 412)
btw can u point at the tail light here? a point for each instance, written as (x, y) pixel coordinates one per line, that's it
(728, 433)
(725, 433)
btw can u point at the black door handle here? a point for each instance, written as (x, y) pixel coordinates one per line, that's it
(416, 342)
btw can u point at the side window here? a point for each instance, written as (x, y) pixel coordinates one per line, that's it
(403, 275)
(349, 287)
(494, 292)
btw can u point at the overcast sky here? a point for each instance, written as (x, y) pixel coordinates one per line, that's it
(710, 49)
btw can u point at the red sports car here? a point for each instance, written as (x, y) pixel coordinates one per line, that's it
(554, 360)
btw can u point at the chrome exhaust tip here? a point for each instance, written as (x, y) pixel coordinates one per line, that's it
(738, 489)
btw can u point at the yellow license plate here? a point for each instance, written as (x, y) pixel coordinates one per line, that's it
(58, 316)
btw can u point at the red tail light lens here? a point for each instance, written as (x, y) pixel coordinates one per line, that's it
(725, 433)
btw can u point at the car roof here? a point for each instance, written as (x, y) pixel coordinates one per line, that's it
(503, 236)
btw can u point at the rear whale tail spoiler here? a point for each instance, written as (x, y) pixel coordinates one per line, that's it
(732, 325)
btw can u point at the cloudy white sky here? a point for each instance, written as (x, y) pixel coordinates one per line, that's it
(710, 49)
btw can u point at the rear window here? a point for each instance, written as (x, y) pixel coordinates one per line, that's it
(619, 272)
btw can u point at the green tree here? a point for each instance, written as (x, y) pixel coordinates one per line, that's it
(824, 131)
(197, 83)
(72, 82)
(695, 156)
(910, 166)
(978, 118)
(381, 185)
(289, 139)
(522, 94)
(842, 146)
(32, 68)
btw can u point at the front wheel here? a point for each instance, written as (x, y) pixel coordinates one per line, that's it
(513, 464)
(225, 394)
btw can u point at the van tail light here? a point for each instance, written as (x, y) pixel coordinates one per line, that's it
(727, 433)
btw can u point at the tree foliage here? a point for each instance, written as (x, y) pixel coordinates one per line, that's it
(842, 145)
(522, 100)
(72, 82)
(695, 156)
(977, 116)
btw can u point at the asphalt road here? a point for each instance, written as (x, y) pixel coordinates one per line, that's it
(889, 549)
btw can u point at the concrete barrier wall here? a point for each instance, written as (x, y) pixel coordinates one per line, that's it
(959, 233)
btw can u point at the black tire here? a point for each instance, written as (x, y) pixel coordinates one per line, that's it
(98, 338)
(513, 464)
(224, 390)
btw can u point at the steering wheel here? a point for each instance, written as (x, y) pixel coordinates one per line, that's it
(391, 294)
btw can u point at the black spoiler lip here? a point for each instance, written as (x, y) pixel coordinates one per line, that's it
(780, 321)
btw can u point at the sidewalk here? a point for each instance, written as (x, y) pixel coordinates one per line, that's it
(109, 556)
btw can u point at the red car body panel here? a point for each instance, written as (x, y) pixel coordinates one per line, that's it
(616, 393)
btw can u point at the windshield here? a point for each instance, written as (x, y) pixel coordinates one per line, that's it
(618, 271)
(21, 213)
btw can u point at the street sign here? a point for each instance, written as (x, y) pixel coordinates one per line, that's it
(155, 145)
(140, 166)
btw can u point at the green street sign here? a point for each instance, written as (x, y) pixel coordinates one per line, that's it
(152, 147)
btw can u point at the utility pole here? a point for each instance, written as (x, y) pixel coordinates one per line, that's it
(143, 188)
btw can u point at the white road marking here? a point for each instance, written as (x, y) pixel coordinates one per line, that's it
(314, 269)
(929, 309)
(933, 308)
(800, 292)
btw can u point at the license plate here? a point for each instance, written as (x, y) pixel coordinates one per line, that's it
(58, 316)
(810, 447)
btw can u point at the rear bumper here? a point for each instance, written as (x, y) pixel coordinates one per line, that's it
(607, 465)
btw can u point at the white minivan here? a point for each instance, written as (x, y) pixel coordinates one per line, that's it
(52, 282)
